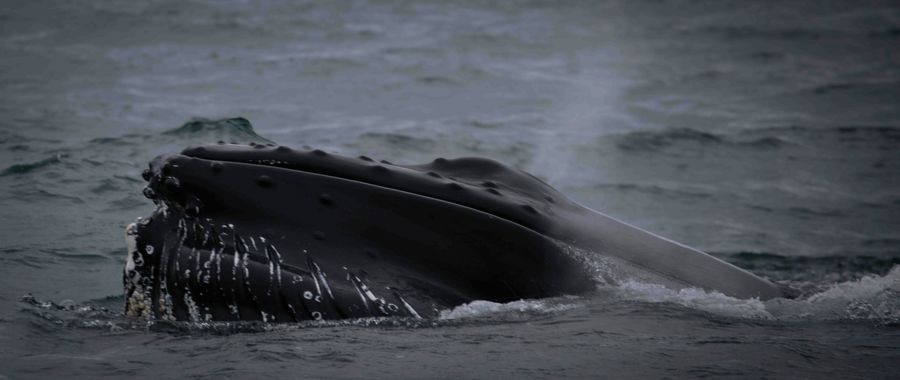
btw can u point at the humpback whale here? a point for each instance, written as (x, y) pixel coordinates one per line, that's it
(271, 233)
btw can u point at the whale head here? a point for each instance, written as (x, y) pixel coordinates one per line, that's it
(264, 232)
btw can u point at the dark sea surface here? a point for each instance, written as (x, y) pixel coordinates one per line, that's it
(765, 133)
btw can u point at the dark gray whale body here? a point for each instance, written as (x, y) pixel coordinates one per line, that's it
(275, 234)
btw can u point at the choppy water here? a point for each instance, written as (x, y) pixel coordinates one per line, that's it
(765, 133)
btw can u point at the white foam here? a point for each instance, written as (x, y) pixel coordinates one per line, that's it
(481, 308)
(871, 298)
(712, 302)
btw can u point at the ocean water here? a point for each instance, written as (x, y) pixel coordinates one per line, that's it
(765, 133)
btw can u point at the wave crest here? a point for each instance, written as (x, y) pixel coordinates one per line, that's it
(871, 298)
(236, 129)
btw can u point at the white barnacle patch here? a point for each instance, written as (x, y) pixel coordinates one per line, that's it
(139, 297)
(138, 305)
(193, 310)
(149, 249)
(308, 295)
(165, 305)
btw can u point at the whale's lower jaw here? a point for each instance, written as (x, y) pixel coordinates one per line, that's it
(199, 271)
(242, 279)
(186, 268)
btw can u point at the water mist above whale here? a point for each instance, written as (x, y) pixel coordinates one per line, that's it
(259, 232)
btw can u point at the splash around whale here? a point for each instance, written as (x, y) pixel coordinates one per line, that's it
(271, 233)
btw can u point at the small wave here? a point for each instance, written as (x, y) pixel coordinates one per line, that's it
(657, 189)
(871, 298)
(236, 129)
(107, 314)
(769, 138)
(832, 87)
(31, 166)
(815, 213)
(482, 308)
(68, 313)
(398, 141)
(885, 33)
(873, 132)
(694, 298)
(659, 139)
(745, 32)
(811, 275)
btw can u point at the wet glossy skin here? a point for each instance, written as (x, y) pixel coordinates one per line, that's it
(266, 233)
